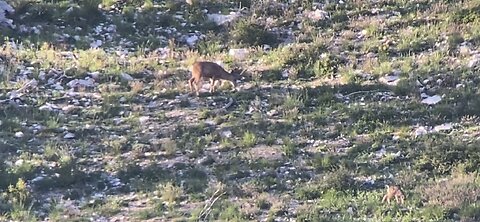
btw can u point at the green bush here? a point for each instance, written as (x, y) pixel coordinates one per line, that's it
(246, 32)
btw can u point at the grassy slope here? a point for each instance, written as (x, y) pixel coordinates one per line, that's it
(317, 145)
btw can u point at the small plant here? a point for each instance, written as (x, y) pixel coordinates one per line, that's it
(169, 146)
(289, 147)
(250, 33)
(292, 105)
(147, 5)
(326, 66)
(338, 180)
(308, 192)
(116, 145)
(263, 204)
(270, 139)
(136, 86)
(230, 212)
(111, 207)
(249, 139)
(324, 162)
(170, 193)
(18, 196)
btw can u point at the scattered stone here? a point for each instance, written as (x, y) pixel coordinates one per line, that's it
(391, 80)
(206, 160)
(68, 108)
(19, 134)
(126, 77)
(474, 61)
(240, 54)
(227, 133)
(37, 179)
(49, 107)
(69, 136)
(19, 162)
(95, 44)
(191, 40)
(94, 75)
(443, 127)
(57, 86)
(432, 100)
(316, 15)
(220, 19)
(272, 113)
(87, 82)
(420, 131)
(143, 119)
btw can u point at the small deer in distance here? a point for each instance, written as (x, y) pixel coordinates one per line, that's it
(393, 192)
(214, 72)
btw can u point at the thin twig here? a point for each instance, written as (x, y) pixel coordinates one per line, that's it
(209, 200)
(230, 102)
(365, 91)
(209, 209)
(208, 206)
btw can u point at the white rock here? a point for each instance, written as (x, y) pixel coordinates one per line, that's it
(19, 162)
(227, 133)
(57, 86)
(443, 127)
(68, 108)
(210, 122)
(41, 75)
(397, 154)
(420, 131)
(380, 153)
(238, 53)
(19, 134)
(95, 44)
(220, 19)
(350, 210)
(316, 15)
(390, 80)
(474, 61)
(272, 113)
(49, 107)
(69, 136)
(36, 179)
(126, 77)
(87, 82)
(266, 47)
(143, 119)
(191, 40)
(432, 100)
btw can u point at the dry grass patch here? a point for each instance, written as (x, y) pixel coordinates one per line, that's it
(456, 192)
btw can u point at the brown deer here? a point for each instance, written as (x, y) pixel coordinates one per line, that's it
(212, 71)
(393, 191)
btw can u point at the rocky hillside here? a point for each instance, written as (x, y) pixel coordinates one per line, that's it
(338, 98)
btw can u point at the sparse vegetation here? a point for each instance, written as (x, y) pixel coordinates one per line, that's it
(337, 100)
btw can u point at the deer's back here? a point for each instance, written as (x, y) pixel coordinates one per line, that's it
(207, 70)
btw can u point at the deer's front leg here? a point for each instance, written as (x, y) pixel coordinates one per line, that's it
(212, 85)
(234, 85)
